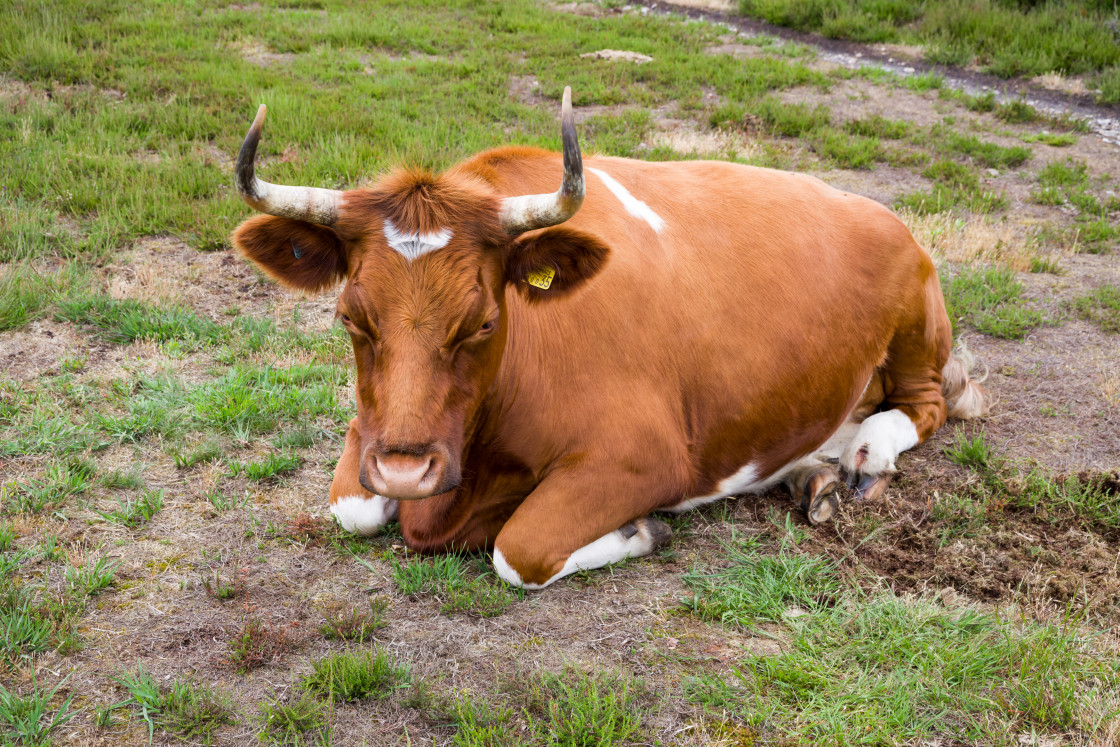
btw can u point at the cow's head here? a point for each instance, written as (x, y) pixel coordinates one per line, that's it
(426, 259)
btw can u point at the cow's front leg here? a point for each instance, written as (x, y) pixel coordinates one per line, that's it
(570, 524)
(357, 509)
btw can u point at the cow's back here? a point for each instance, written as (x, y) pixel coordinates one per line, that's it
(739, 316)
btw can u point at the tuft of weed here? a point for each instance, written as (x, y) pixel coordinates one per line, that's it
(257, 644)
(133, 512)
(792, 120)
(1053, 139)
(23, 717)
(221, 589)
(210, 451)
(222, 503)
(575, 708)
(93, 578)
(1101, 306)
(973, 453)
(354, 624)
(954, 185)
(356, 674)
(60, 481)
(876, 125)
(265, 469)
(1017, 112)
(191, 710)
(302, 721)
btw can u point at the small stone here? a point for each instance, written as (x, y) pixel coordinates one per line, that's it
(993, 172)
(794, 612)
(618, 55)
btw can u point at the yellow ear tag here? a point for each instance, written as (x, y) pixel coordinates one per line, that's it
(541, 278)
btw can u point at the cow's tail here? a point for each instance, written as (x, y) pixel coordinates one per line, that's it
(964, 396)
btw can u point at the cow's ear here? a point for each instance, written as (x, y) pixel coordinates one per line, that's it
(552, 263)
(298, 254)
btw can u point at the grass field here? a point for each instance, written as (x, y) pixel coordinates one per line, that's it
(170, 420)
(1054, 40)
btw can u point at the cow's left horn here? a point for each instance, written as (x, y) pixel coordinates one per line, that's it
(526, 212)
(311, 204)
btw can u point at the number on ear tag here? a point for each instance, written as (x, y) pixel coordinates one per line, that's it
(541, 278)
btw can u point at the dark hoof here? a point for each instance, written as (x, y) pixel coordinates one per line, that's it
(658, 531)
(824, 506)
(872, 486)
(816, 489)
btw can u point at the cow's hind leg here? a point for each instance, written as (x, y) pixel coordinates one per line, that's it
(356, 509)
(918, 375)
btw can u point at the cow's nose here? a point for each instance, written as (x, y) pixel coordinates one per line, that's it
(405, 474)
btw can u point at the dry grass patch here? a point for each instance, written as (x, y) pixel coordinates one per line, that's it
(971, 239)
(708, 143)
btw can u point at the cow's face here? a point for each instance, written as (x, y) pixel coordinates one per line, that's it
(426, 262)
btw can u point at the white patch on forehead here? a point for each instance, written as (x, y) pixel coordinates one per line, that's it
(633, 205)
(412, 245)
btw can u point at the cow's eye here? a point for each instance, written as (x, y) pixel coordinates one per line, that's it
(488, 327)
(345, 319)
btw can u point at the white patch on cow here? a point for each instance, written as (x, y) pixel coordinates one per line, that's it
(743, 481)
(633, 205)
(609, 548)
(362, 515)
(883, 436)
(412, 245)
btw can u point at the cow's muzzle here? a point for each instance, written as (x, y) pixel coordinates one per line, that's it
(408, 472)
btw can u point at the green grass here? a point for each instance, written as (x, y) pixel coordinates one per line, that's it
(955, 185)
(462, 584)
(1101, 307)
(1005, 38)
(357, 674)
(125, 321)
(24, 718)
(93, 578)
(301, 721)
(980, 152)
(1069, 183)
(991, 301)
(190, 710)
(59, 482)
(28, 290)
(755, 587)
(578, 709)
(1054, 139)
(1080, 498)
(133, 512)
(895, 670)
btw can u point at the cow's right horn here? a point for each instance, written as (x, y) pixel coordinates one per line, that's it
(311, 204)
(526, 212)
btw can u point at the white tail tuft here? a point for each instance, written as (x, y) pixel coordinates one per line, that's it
(964, 396)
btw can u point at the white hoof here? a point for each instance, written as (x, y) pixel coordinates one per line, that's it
(362, 515)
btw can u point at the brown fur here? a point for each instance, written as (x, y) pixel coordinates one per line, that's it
(660, 364)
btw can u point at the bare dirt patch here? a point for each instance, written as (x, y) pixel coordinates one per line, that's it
(258, 53)
(217, 285)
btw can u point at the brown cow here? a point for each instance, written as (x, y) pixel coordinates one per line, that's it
(693, 330)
